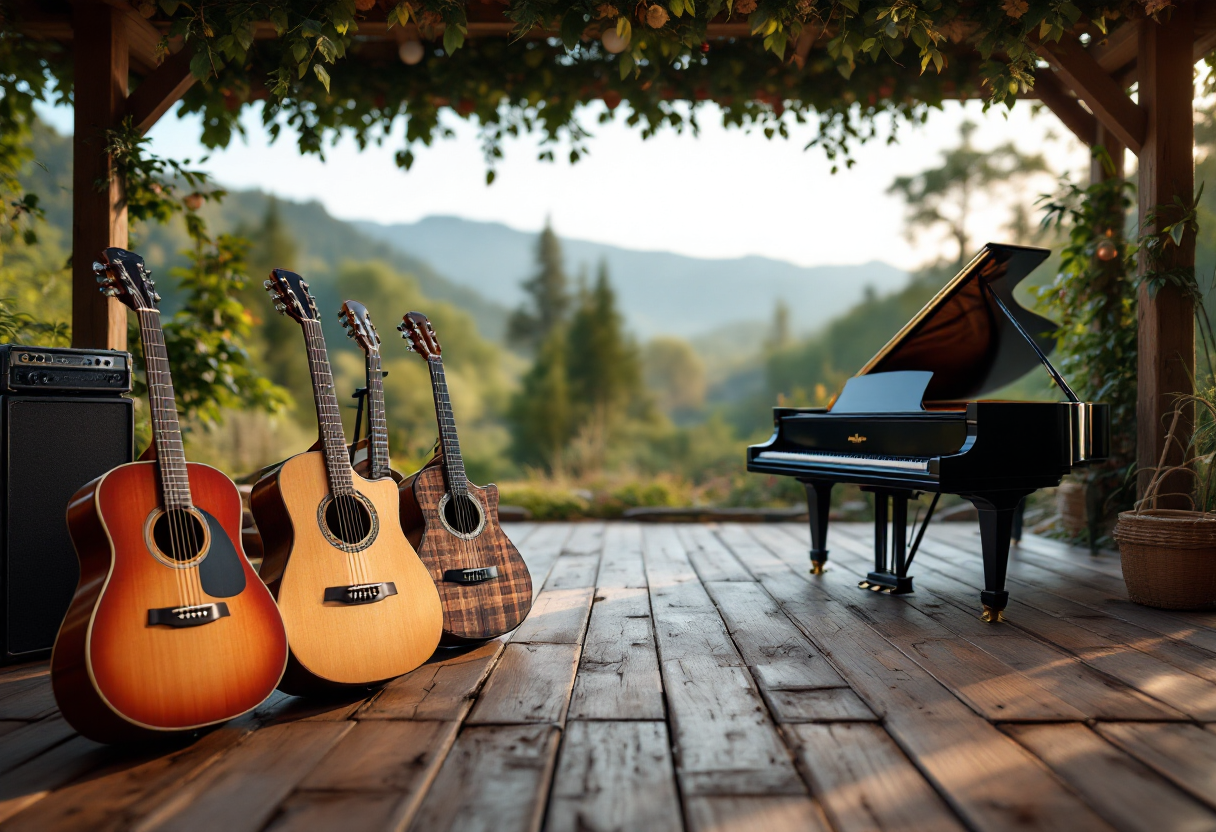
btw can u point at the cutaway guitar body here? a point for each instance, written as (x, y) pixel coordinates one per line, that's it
(347, 640)
(483, 583)
(151, 645)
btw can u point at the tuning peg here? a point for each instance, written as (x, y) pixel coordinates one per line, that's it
(109, 291)
(268, 284)
(99, 267)
(280, 307)
(156, 297)
(152, 283)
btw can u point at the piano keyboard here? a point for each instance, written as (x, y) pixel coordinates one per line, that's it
(900, 463)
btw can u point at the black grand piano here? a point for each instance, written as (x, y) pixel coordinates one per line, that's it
(913, 420)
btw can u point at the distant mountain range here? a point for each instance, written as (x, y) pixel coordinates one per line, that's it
(659, 292)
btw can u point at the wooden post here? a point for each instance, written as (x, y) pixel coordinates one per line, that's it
(99, 218)
(1167, 170)
(1117, 151)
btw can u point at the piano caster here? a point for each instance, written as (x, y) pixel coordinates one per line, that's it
(991, 616)
(818, 567)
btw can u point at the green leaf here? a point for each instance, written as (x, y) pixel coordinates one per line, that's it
(322, 75)
(851, 5)
(311, 29)
(490, 177)
(623, 29)
(303, 70)
(676, 7)
(572, 28)
(200, 65)
(399, 15)
(626, 64)
(690, 7)
(453, 39)
(299, 50)
(327, 48)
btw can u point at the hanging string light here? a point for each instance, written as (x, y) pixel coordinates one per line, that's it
(1107, 248)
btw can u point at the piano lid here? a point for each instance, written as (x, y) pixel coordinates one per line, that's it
(965, 335)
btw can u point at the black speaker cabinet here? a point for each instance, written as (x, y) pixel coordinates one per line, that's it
(52, 445)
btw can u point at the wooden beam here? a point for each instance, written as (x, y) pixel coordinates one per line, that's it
(1103, 95)
(1167, 171)
(160, 91)
(1117, 51)
(1105, 139)
(1067, 109)
(99, 219)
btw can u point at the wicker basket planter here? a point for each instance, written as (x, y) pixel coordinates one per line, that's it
(1169, 558)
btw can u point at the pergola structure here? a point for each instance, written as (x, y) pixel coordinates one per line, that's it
(1086, 87)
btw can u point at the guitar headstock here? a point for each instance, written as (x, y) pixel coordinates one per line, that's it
(420, 336)
(291, 296)
(359, 327)
(123, 275)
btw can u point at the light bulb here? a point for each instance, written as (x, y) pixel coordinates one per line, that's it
(1107, 250)
(613, 42)
(410, 52)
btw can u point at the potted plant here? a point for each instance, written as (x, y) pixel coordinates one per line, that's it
(1169, 555)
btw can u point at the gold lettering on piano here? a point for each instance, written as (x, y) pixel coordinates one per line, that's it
(857, 439)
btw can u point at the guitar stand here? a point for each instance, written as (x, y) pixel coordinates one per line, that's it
(898, 554)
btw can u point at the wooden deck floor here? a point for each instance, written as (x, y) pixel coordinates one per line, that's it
(696, 677)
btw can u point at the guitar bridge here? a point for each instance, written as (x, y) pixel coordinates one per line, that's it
(192, 616)
(360, 593)
(476, 575)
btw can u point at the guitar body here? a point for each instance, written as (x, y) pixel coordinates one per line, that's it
(471, 611)
(116, 676)
(333, 643)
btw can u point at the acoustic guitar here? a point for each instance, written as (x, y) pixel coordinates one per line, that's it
(170, 628)
(359, 605)
(370, 456)
(483, 582)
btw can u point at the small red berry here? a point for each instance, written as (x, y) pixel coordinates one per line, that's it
(704, 47)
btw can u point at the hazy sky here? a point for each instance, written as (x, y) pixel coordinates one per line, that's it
(724, 194)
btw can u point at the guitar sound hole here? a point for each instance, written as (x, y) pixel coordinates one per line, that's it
(348, 519)
(179, 535)
(462, 514)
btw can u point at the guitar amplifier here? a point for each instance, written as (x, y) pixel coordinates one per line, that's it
(63, 421)
(62, 370)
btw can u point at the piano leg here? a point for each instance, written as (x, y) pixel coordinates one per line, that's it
(997, 513)
(818, 505)
(882, 579)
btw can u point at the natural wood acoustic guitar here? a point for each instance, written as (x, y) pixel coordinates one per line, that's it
(370, 455)
(359, 605)
(483, 582)
(170, 628)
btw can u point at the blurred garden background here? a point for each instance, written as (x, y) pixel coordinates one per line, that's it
(587, 378)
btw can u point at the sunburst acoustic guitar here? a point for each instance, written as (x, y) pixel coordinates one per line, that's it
(483, 582)
(170, 628)
(359, 605)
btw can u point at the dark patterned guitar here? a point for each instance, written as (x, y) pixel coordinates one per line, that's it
(483, 583)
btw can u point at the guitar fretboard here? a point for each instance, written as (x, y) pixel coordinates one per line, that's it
(329, 417)
(453, 463)
(166, 430)
(378, 460)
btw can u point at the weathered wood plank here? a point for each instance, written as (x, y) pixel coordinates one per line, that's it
(241, 791)
(495, 779)
(754, 814)
(621, 566)
(618, 674)
(992, 688)
(585, 539)
(397, 756)
(26, 670)
(27, 697)
(864, 782)
(1123, 790)
(728, 744)
(324, 811)
(1183, 754)
(614, 776)
(709, 557)
(541, 548)
(117, 796)
(30, 740)
(821, 705)
(573, 572)
(442, 689)
(32, 781)
(957, 579)
(530, 683)
(780, 656)
(990, 780)
(558, 616)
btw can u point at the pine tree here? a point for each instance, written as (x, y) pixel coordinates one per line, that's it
(540, 412)
(604, 372)
(548, 296)
(275, 248)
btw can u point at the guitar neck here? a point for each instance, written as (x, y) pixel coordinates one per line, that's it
(166, 430)
(377, 439)
(453, 463)
(329, 416)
